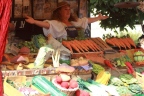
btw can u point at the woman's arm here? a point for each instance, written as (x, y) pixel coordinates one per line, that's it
(37, 22)
(94, 19)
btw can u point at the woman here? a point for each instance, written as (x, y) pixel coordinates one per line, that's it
(63, 23)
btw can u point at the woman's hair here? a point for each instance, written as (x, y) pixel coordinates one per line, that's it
(57, 16)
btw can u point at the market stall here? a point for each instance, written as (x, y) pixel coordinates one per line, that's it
(82, 66)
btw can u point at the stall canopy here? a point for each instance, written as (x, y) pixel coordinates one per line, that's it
(5, 8)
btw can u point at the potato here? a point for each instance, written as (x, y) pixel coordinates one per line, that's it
(73, 84)
(65, 77)
(58, 79)
(65, 84)
(83, 62)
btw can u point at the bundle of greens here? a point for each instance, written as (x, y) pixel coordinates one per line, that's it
(128, 78)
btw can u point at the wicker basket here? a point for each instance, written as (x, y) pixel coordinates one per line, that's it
(68, 92)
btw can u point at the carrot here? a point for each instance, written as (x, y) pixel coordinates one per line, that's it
(74, 47)
(115, 40)
(90, 44)
(109, 41)
(94, 44)
(126, 42)
(67, 44)
(84, 44)
(122, 43)
(81, 45)
(77, 45)
(90, 47)
(131, 42)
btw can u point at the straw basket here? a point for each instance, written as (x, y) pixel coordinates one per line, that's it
(68, 92)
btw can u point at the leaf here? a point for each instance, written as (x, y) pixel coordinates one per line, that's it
(119, 17)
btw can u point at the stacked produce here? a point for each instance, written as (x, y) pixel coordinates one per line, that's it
(28, 44)
(36, 42)
(46, 86)
(120, 62)
(79, 46)
(64, 82)
(103, 77)
(39, 40)
(96, 89)
(125, 42)
(139, 57)
(81, 61)
(96, 67)
(126, 84)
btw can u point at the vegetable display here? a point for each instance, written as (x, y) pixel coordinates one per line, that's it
(96, 67)
(46, 86)
(125, 42)
(123, 90)
(128, 78)
(129, 68)
(139, 57)
(126, 84)
(79, 46)
(94, 89)
(36, 42)
(116, 81)
(103, 77)
(66, 82)
(135, 89)
(81, 61)
(109, 64)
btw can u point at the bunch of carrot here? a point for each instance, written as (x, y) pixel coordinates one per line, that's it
(125, 42)
(81, 45)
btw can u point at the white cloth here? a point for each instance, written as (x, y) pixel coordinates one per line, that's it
(57, 29)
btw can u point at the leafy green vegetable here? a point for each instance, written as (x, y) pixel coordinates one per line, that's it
(122, 90)
(96, 67)
(135, 88)
(116, 81)
(93, 88)
(128, 78)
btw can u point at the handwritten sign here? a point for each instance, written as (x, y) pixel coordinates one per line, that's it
(29, 72)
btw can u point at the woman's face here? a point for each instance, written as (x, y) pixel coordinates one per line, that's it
(65, 12)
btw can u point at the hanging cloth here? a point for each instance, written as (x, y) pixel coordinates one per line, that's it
(5, 8)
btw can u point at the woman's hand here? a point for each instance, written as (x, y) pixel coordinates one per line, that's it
(101, 17)
(29, 19)
(36, 22)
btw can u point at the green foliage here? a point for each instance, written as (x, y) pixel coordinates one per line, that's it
(118, 17)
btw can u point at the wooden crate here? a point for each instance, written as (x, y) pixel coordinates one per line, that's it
(102, 45)
(77, 55)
